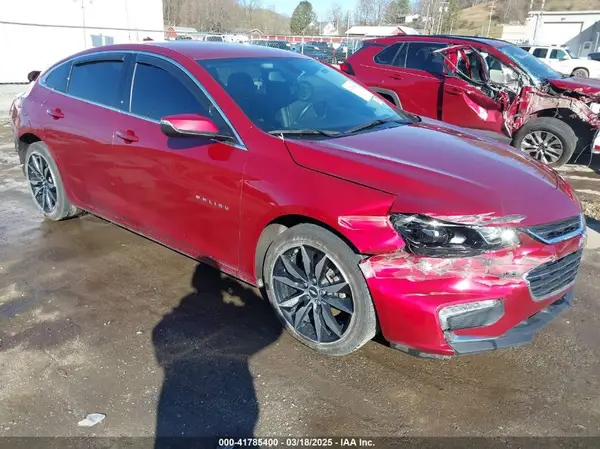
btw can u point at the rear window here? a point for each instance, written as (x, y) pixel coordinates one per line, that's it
(97, 81)
(387, 55)
(58, 78)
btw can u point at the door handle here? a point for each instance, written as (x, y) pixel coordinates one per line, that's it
(127, 135)
(453, 90)
(55, 113)
(395, 77)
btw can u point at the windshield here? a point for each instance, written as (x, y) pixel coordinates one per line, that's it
(294, 94)
(571, 54)
(535, 67)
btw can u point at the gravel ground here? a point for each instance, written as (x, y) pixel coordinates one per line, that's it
(94, 318)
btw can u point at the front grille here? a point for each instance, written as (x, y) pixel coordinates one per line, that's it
(557, 231)
(553, 277)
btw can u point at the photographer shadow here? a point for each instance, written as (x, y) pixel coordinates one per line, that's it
(204, 345)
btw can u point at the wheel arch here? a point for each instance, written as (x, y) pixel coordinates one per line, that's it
(279, 225)
(583, 130)
(388, 95)
(25, 140)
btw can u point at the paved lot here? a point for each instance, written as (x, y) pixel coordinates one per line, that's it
(96, 319)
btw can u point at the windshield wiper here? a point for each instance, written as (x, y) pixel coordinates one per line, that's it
(373, 124)
(304, 132)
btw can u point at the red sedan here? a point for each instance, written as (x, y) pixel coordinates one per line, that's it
(289, 175)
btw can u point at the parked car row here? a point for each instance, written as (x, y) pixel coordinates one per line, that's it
(353, 215)
(485, 84)
(322, 51)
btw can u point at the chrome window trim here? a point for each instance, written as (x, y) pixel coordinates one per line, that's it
(562, 238)
(240, 143)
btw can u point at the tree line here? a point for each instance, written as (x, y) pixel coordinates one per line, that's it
(222, 16)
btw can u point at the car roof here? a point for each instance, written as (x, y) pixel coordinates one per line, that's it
(202, 50)
(492, 42)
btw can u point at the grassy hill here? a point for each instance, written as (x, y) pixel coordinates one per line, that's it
(474, 20)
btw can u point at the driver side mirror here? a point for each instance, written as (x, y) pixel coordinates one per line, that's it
(188, 125)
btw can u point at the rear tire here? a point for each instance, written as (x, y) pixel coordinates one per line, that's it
(548, 140)
(45, 184)
(303, 295)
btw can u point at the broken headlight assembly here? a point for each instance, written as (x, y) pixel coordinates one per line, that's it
(427, 236)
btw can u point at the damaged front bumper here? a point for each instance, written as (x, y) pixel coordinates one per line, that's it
(521, 334)
(410, 292)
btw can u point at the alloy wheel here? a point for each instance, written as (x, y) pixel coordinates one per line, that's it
(41, 182)
(543, 146)
(312, 293)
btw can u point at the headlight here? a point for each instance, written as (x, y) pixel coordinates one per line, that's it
(429, 237)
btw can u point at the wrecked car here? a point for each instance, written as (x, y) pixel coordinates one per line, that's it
(485, 84)
(351, 215)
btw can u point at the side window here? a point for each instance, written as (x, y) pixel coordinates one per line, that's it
(387, 55)
(97, 81)
(499, 72)
(540, 52)
(58, 78)
(526, 49)
(557, 54)
(421, 56)
(173, 97)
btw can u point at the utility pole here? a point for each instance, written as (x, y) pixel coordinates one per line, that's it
(83, 24)
(538, 20)
(490, 21)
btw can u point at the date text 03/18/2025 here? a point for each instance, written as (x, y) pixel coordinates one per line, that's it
(295, 442)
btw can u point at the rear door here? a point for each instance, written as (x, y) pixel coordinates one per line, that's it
(415, 74)
(184, 192)
(80, 119)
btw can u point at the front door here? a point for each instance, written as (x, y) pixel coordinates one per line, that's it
(468, 100)
(182, 191)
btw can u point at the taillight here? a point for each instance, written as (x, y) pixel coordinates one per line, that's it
(346, 68)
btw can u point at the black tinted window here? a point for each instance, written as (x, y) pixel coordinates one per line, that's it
(526, 48)
(421, 56)
(540, 52)
(172, 97)
(386, 56)
(57, 78)
(97, 81)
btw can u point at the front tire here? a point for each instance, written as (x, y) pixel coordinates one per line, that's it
(584, 73)
(45, 183)
(319, 293)
(548, 140)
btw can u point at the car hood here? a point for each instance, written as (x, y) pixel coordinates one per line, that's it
(587, 86)
(441, 170)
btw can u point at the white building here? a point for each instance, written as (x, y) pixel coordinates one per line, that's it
(372, 31)
(36, 33)
(578, 30)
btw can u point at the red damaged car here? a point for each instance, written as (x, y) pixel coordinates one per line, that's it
(287, 174)
(485, 84)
